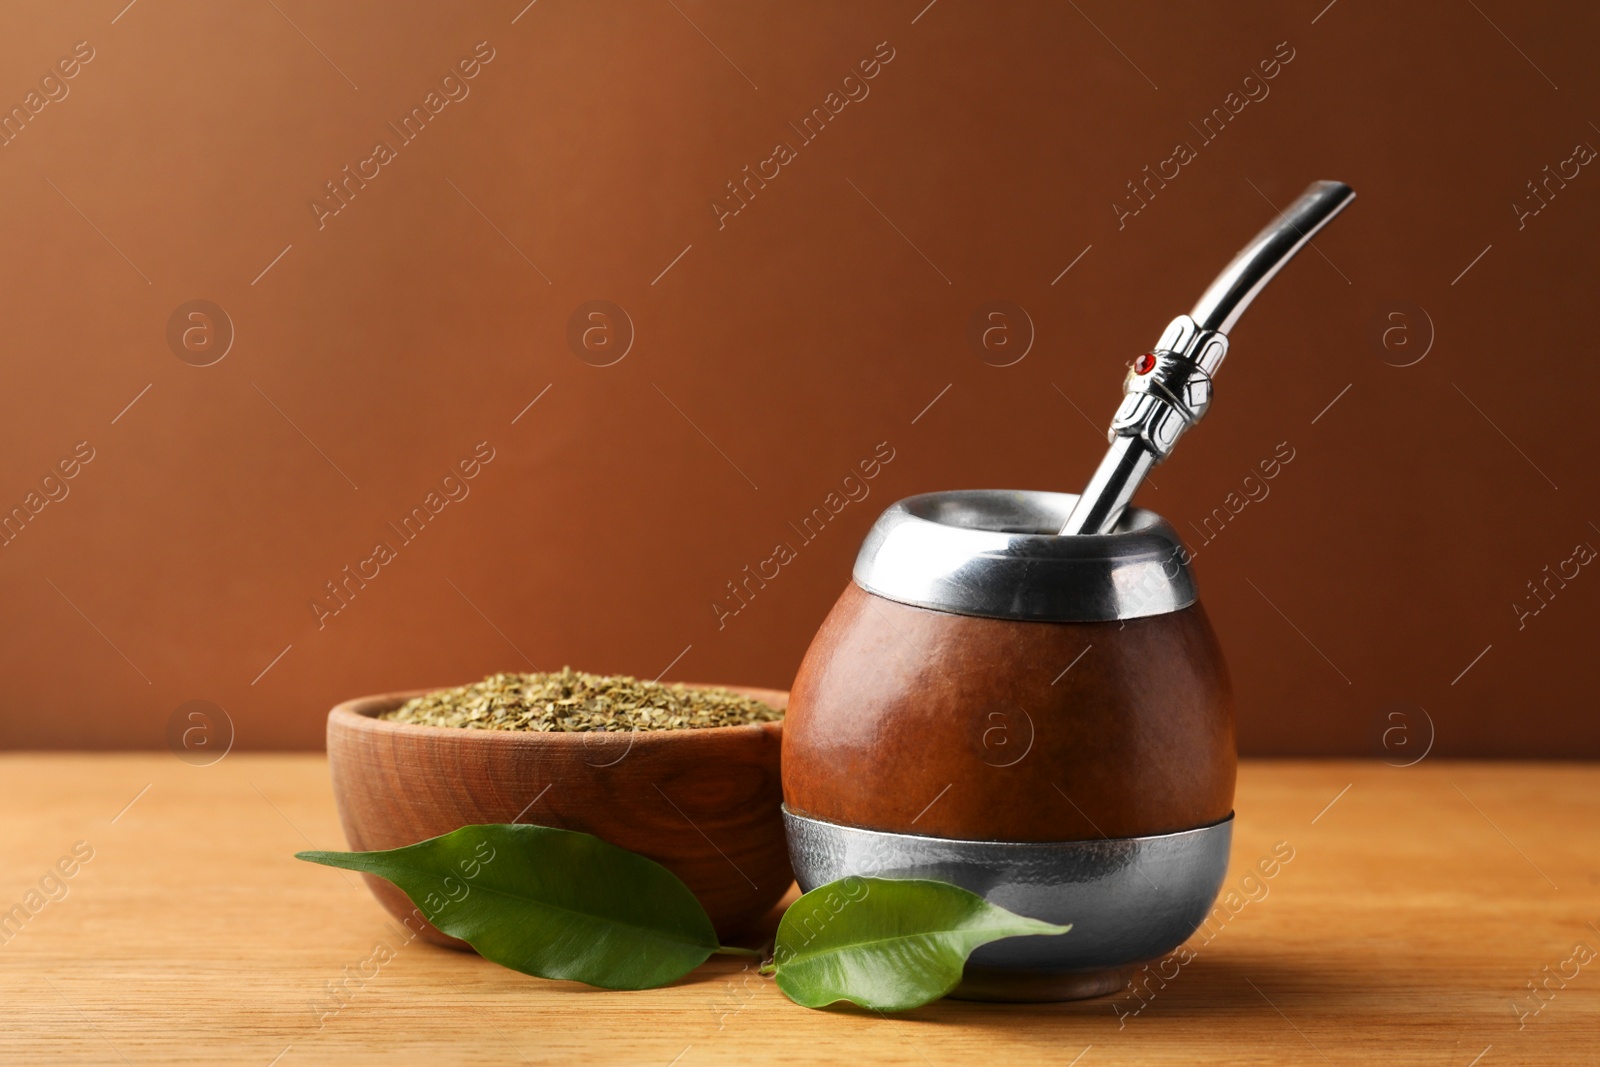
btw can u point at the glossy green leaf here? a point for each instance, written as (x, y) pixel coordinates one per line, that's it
(549, 902)
(889, 944)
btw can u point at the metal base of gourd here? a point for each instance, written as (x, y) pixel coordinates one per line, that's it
(1129, 900)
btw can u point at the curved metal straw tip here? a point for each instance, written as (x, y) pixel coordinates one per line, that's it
(1260, 260)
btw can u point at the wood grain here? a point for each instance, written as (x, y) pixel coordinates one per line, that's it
(1416, 906)
(917, 721)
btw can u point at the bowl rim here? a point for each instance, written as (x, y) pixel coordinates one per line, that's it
(361, 714)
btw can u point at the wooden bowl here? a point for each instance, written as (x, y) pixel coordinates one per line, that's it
(705, 804)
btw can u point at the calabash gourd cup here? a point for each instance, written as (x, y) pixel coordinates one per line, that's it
(1043, 720)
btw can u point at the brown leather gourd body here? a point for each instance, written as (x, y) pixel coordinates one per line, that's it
(925, 722)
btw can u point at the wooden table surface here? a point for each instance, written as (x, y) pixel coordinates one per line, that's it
(1420, 907)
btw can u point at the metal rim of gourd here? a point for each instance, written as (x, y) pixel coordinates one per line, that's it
(995, 553)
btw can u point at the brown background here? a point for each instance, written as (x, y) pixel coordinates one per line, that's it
(415, 324)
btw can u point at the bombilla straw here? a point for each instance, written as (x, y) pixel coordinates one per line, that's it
(1169, 389)
(1260, 261)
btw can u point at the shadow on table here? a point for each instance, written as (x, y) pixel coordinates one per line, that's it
(1248, 985)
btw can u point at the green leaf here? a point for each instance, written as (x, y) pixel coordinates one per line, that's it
(551, 903)
(889, 944)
